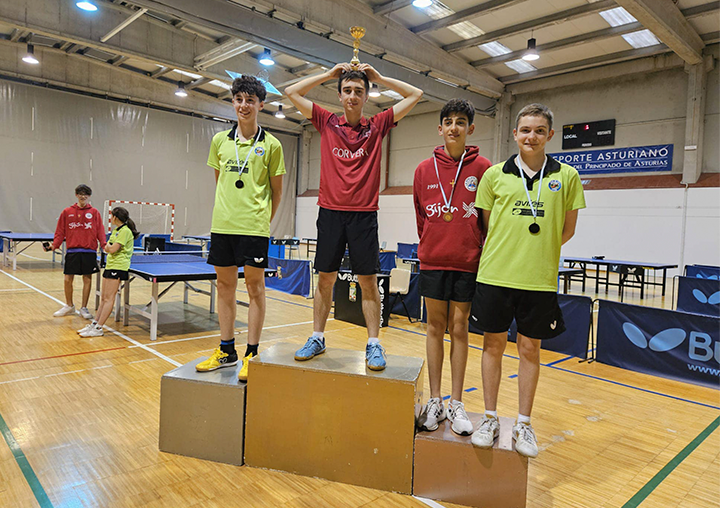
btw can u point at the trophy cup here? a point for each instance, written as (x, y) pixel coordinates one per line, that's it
(357, 32)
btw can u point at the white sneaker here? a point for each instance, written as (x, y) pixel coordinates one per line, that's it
(85, 313)
(525, 440)
(86, 328)
(461, 424)
(486, 433)
(65, 311)
(433, 414)
(95, 331)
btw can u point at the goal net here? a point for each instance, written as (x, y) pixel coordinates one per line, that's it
(150, 218)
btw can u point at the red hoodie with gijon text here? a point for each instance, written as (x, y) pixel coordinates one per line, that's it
(456, 244)
(81, 228)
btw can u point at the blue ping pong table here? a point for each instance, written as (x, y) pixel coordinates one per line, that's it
(11, 241)
(170, 268)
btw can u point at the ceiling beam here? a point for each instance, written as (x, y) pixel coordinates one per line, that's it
(391, 6)
(303, 68)
(122, 25)
(464, 15)
(244, 23)
(533, 24)
(117, 60)
(198, 82)
(222, 53)
(690, 13)
(664, 19)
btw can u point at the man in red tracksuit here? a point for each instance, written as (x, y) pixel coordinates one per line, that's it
(451, 239)
(80, 226)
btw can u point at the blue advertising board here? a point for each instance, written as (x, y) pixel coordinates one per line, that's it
(660, 342)
(699, 296)
(631, 159)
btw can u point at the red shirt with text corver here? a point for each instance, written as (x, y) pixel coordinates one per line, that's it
(454, 245)
(81, 228)
(350, 159)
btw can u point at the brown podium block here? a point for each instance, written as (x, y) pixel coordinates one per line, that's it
(331, 417)
(449, 468)
(202, 414)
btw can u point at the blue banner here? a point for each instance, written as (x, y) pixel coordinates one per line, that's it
(703, 271)
(293, 276)
(619, 160)
(660, 342)
(387, 261)
(405, 250)
(412, 299)
(699, 296)
(577, 314)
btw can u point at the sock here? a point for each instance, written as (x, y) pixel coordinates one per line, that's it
(491, 413)
(227, 346)
(251, 349)
(319, 335)
(523, 419)
(373, 340)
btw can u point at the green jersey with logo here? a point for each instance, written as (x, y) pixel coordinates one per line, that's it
(512, 256)
(121, 259)
(246, 210)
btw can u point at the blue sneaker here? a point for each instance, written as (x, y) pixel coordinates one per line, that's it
(375, 356)
(313, 347)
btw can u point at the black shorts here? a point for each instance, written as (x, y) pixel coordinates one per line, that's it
(537, 313)
(447, 285)
(81, 263)
(109, 273)
(356, 230)
(238, 250)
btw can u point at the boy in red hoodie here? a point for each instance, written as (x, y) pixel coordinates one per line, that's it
(80, 226)
(450, 243)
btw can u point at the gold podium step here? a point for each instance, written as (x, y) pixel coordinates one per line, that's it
(331, 417)
(202, 413)
(449, 468)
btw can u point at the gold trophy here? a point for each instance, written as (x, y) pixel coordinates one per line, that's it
(357, 32)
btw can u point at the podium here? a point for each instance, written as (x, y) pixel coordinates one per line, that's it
(331, 417)
(202, 414)
(449, 468)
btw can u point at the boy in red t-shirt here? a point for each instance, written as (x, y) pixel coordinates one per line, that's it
(80, 226)
(351, 150)
(451, 239)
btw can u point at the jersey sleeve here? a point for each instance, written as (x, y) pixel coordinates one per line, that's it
(385, 121)
(276, 164)
(126, 237)
(99, 229)
(320, 117)
(575, 194)
(420, 215)
(214, 155)
(59, 231)
(485, 196)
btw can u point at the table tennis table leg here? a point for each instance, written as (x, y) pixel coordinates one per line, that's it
(663, 281)
(641, 276)
(14, 255)
(154, 311)
(126, 304)
(565, 288)
(212, 296)
(6, 246)
(97, 290)
(185, 293)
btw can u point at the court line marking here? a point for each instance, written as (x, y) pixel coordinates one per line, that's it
(119, 334)
(594, 377)
(429, 502)
(548, 364)
(63, 356)
(37, 489)
(656, 480)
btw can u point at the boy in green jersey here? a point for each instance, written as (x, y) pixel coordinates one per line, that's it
(530, 206)
(249, 168)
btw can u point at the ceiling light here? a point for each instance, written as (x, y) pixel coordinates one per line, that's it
(86, 6)
(422, 4)
(30, 56)
(617, 17)
(180, 92)
(374, 90)
(520, 66)
(495, 48)
(279, 113)
(641, 39)
(266, 58)
(531, 52)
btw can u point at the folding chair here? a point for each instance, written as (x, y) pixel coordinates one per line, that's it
(399, 287)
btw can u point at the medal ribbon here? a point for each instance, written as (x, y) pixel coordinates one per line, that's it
(437, 173)
(527, 192)
(237, 156)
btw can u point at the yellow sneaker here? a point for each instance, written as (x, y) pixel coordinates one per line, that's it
(242, 376)
(217, 361)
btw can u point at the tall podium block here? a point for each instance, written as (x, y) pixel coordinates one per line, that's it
(449, 468)
(331, 417)
(202, 414)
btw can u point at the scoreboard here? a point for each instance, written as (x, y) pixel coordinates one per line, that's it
(584, 135)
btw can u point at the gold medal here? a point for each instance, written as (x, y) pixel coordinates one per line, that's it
(447, 216)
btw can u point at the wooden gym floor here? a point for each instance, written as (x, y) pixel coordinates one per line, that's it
(79, 417)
